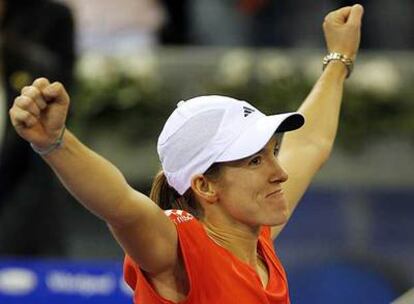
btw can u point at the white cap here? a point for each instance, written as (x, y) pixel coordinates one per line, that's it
(208, 129)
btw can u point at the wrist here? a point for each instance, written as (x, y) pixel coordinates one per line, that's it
(336, 68)
(43, 151)
(336, 57)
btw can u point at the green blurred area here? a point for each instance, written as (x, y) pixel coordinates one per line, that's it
(120, 102)
(135, 93)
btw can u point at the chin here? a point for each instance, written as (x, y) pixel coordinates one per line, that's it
(275, 214)
(280, 218)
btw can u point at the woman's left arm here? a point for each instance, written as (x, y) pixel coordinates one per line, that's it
(304, 151)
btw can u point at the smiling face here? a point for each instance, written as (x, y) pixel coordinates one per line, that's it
(250, 190)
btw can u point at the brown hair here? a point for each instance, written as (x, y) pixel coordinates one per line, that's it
(167, 197)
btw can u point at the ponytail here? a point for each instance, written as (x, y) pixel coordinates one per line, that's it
(168, 198)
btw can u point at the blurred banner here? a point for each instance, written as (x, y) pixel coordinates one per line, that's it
(63, 282)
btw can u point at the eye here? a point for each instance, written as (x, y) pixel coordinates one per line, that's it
(257, 160)
(276, 150)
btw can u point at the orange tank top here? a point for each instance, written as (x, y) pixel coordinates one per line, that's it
(215, 274)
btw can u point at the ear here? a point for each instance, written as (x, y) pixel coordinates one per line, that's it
(204, 188)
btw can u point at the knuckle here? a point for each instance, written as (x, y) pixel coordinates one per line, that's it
(15, 117)
(32, 108)
(31, 91)
(25, 115)
(35, 90)
(41, 80)
(24, 89)
(16, 99)
(22, 101)
(58, 86)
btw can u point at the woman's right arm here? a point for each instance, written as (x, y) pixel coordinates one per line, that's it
(140, 226)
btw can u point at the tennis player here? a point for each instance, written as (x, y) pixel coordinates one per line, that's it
(229, 182)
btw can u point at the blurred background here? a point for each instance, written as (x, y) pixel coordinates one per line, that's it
(127, 63)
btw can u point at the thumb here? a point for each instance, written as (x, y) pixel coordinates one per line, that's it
(356, 13)
(56, 93)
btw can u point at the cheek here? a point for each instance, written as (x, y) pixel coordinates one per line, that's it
(242, 192)
(239, 200)
(259, 196)
(245, 191)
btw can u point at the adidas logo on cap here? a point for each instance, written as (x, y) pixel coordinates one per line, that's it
(247, 111)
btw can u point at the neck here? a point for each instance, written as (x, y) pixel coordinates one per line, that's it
(240, 240)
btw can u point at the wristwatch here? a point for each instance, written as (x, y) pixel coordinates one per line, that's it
(338, 56)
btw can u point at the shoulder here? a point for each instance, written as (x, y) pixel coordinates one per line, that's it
(192, 244)
(179, 216)
(189, 229)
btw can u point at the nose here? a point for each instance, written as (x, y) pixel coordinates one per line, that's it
(278, 173)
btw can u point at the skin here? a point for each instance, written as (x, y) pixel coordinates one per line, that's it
(245, 205)
(234, 207)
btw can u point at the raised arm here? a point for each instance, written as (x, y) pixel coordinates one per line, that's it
(139, 225)
(304, 151)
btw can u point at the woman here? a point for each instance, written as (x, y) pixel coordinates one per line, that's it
(219, 161)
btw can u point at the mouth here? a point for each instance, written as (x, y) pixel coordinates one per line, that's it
(277, 192)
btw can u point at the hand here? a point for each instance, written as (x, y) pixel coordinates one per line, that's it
(342, 30)
(39, 113)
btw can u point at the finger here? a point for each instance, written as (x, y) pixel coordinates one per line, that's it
(21, 118)
(34, 93)
(27, 104)
(356, 13)
(56, 92)
(339, 16)
(41, 83)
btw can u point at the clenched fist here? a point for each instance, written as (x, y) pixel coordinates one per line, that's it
(39, 113)
(342, 30)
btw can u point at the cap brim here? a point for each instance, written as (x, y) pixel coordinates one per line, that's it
(255, 137)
